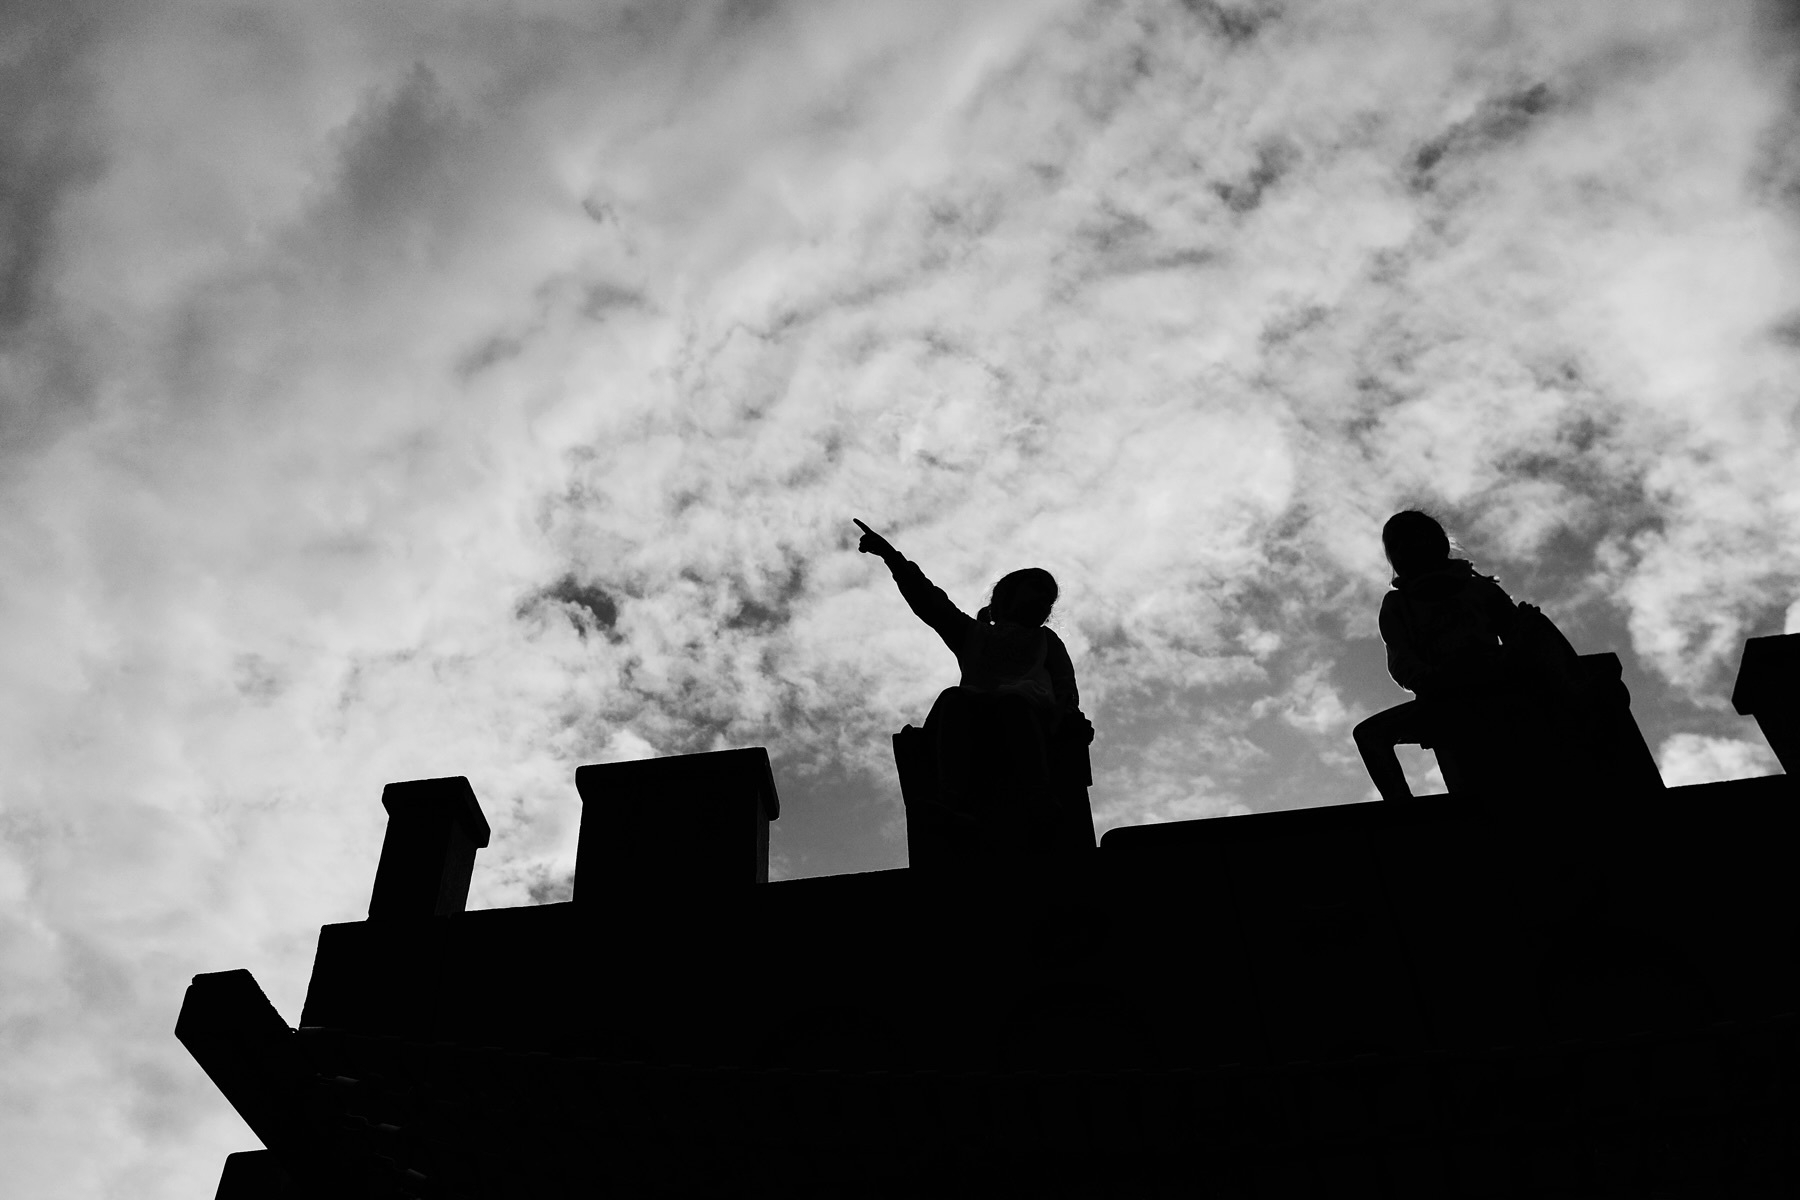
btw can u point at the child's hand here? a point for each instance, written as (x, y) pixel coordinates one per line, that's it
(874, 543)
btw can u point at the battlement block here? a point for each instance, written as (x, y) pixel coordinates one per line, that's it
(1768, 688)
(683, 823)
(434, 828)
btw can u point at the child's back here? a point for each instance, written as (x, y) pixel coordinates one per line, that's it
(1444, 625)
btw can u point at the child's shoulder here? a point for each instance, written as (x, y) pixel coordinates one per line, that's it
(1489, 584)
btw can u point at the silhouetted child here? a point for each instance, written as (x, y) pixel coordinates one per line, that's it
(1444, 624)
(1001, 735)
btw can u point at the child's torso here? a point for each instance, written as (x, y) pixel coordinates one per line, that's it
(1004, 653)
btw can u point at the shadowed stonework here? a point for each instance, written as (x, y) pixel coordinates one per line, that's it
(1471, 995)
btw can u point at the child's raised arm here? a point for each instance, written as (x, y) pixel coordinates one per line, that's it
(926, 599)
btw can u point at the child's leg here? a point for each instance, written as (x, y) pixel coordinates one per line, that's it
(1376, 738)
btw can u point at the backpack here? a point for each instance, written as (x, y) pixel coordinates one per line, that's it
(1543, 656)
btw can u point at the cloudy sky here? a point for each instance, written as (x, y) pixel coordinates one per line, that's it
(436, 388)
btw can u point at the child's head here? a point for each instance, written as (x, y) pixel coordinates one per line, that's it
(1414, 542)
(1024, 596)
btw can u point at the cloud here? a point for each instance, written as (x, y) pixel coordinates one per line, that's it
(391, 392)
(587, 606)
(1688, 758)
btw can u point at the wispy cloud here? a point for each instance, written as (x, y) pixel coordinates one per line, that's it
(389, 392)
(1689, 758)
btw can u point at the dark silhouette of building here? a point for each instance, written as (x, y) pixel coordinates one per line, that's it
(1436, 997)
